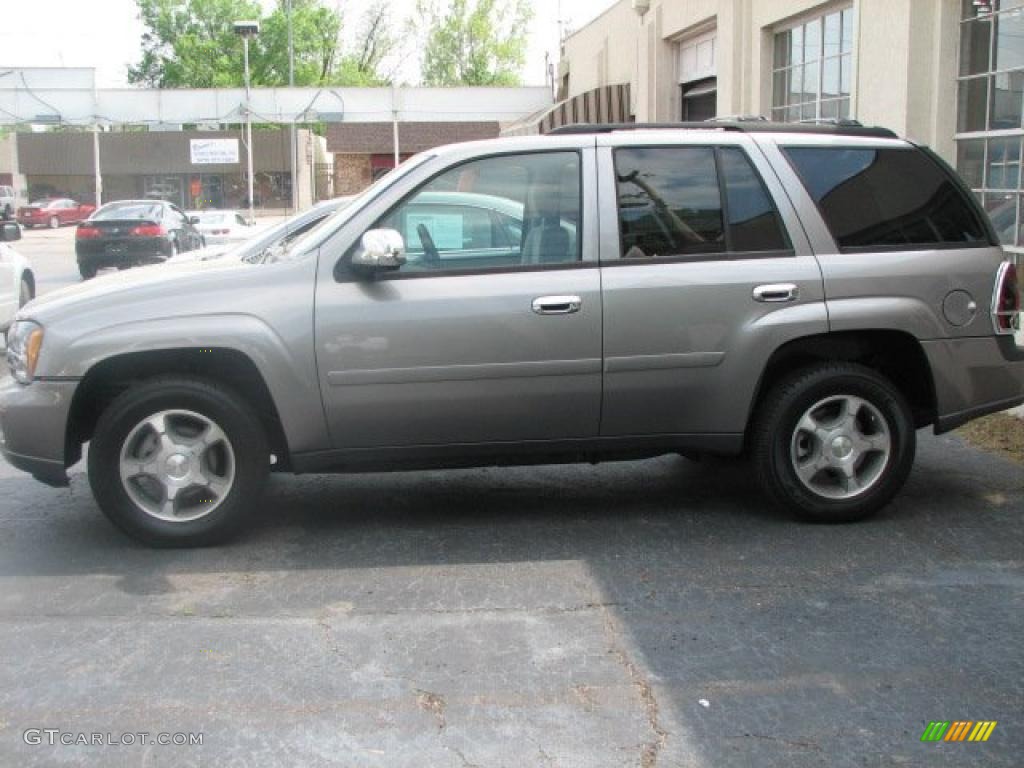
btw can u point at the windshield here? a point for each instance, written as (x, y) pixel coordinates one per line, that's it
(127, 211)
(40, 203)
(334, 222)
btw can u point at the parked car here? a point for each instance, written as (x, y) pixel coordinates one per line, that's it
(218, 227)
(17, 281)
(8, 202)
(54, 212)
(131, 232)
(809, 296)
(268, 242)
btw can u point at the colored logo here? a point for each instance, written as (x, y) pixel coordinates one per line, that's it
(958, 730)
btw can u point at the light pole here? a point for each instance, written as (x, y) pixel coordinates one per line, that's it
(292, 137)
(246, 30)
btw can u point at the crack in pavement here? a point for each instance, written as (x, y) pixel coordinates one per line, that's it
(649, 750)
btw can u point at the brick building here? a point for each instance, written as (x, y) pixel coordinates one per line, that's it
(365, 151)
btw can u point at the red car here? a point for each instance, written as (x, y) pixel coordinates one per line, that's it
(53, 212)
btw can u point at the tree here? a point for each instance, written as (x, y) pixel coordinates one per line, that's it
(191, 44)
(474, 42)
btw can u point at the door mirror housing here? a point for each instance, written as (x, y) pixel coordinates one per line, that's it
(193, 220)
(9, 231)
(379, 250)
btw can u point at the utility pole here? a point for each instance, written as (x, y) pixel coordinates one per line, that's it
(247, 29)
(292, 136)
(394, 121)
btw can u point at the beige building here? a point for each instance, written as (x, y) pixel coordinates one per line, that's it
(947, 73)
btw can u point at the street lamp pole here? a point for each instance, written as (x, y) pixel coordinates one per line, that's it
(293, 143)
(247, 29)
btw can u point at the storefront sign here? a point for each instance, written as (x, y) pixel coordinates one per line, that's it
(213, 151)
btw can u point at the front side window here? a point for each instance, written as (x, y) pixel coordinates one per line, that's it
(887, 198)
(672, 205)
(495, 213)
(813, 69)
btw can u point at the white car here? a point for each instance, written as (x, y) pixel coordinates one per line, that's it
(17, 281)
(219, 227)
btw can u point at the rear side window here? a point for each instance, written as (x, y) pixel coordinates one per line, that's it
(887, 198)
(693, 201)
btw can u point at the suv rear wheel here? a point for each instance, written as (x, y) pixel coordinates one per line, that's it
(178, 462)
(833, 442)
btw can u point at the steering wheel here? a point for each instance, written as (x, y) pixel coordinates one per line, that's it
(430, 253)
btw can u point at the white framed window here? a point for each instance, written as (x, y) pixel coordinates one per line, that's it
(812, 71)
(990, 111)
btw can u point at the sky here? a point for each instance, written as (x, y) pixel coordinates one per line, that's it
(74, 33)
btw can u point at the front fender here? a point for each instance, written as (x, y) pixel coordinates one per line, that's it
(286, 365)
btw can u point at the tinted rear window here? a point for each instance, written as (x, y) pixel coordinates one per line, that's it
(127, 211)
(887, 198)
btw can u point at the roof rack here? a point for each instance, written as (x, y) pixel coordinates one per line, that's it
(847, 128)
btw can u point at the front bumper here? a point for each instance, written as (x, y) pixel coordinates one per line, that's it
(33, 425)
(974, 377)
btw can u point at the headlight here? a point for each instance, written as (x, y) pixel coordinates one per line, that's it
(24, 340)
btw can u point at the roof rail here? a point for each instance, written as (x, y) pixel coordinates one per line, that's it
(740, 126)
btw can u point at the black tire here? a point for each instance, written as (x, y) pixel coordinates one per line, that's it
(775, 424)
(26, 293)
(211, 400)
(87, 271)
(8, 213)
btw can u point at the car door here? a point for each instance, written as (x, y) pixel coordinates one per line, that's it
(497, 347)
(66, 211)
(705, 271)
(178, 222)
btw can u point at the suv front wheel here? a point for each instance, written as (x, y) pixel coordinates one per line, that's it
(178, 462)
(833, 442)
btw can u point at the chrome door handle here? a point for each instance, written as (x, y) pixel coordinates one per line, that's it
(777, 292)
(557, 305)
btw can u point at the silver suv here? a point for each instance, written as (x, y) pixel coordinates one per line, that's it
(807, 295)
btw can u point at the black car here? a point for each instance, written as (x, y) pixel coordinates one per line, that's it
(131, 232)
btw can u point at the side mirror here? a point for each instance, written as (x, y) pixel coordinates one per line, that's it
(379, 250)
(10, 231)
(193, 220)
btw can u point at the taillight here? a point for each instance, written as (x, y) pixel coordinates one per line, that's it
(149, 230)
(219, 231)
(86, 233)
(1006, 299)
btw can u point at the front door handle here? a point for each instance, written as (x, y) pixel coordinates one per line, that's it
(557, 305)
(777, 292)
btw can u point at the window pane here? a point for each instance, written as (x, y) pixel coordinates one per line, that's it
(796, 85)
(812, 40)
(1007, 100)
(1009, 44)
(1002, 212)
(669, 202)
(844, 108)
(846, 75)
(847, 30)
(754, 223)
(782, 50)
(1003, 163)
(975, 39)
(970, 162)
(796, 38)
(780, 86)
(885, 197)
(451, 222)
(811, 81)
(972, 105)
(830, 109)
(833, 33)
(830, 79)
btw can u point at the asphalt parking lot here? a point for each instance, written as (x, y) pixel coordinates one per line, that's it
(631, 614)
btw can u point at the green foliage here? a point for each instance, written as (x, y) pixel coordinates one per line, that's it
(474, 42)
(191, 44)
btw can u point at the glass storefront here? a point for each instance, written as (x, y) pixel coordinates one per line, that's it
(990, 110)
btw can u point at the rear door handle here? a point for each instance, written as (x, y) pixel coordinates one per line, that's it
(557, 305)
(777, 292)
